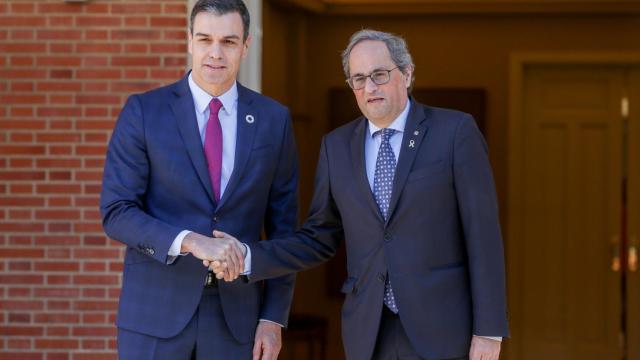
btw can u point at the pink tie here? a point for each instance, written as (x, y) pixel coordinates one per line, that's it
(213, 146)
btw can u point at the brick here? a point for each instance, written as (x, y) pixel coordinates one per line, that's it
(22, 34)
(131, 74)
(59, 111)
(57, 356)
(60, 124)
(22, 86)
(20, 240)
(98, 48)
(91, 189)
(21, 330)
(59, 8)
(22, 99)
(57, 292)
(22, 112)
(98, 21)
(56, 318)
(21, 189)
(21, 305)
(174, 61)
(19, 318)
(87, 176)
(95, 137)
(58, 201)
(58, 331)
(60, 162)
(20, 215)
(57, 266)
(61, 74)
(50, 343)
(21, 61)
(98, 99)
(22, 8)
(59, 227)
(92, 201)
(95, 8)
(19, 292)
(98, 74)
(59, 175)
(101, 86)
(93, 344)
(168, 22)
(23, 21)
(22, 150)
(57, 214)
(135, 35)
(166, 74)
(59, 48)
(22, 73)
(90, 150)
(85, 253)
(21, 137)
(94, 240)
(94, 266)
(58, 86)
(20, 355)
(175, 8)
(140, 21)
(174, 35)
(136, 48)
(58, 305)
(58, 34)
(58, 279)
(22, 48)
(58, 61)
(91, 215)
(62, 21)
(95, 112)
(21, 163)
(61, 99)
(97, 35)
(94, 331)
(95, 305)
(22, 175)
(21, 227)
(20, 266)
(21, 253)
(58, 188)
(63, 240)
(98, 293)
(95, 356)
(136, 8)
(135, 61)
(94, 318)
(93, 163)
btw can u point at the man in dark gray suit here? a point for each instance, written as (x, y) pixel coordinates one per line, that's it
(409, 189)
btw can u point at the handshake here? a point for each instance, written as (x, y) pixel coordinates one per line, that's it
(223, 254)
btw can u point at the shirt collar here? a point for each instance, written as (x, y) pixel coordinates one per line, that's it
(397, 124)
(202, 98)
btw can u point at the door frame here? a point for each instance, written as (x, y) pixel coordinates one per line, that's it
(518, 61)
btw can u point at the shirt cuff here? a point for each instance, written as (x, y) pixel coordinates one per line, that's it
(273, 322)
(247, 265)
(496, 338)
(174, 250)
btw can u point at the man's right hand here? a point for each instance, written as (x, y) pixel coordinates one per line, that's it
(223, 249)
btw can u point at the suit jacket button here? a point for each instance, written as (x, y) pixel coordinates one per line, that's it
(387, 237)
(381, 277)
(151, 251)
(215, 219)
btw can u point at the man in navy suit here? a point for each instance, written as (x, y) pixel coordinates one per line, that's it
(201, 154)
(409, 188)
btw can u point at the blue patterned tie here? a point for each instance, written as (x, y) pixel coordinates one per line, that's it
(382, 186)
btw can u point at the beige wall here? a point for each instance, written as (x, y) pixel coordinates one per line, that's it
(301, 62)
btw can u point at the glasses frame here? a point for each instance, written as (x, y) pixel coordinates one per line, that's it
(370, 76)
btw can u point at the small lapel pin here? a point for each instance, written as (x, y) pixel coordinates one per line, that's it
(412, 143)
(250, 119)
(416, 133)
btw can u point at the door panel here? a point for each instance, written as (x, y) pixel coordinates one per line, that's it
(569, 297)
(633, 214)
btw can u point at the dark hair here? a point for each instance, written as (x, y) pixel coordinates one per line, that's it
(222, 7)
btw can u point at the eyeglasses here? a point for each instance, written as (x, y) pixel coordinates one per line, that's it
(379, 77)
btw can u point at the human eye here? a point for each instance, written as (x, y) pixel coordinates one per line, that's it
(358, 80)
(379, 76)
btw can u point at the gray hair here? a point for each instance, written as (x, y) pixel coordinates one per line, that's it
(395, 44)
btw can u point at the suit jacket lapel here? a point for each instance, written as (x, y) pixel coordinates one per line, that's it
(184, 113)
(248, 118)
(358, 160)
(414, 131)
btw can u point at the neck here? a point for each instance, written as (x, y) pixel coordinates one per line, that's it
(213, 90)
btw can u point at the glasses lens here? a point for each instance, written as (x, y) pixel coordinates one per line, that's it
(380, 77)
(358, 82)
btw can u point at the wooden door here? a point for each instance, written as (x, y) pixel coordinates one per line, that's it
(567, 293)
(633, 217)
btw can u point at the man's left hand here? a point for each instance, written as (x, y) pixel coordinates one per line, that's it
(484, 349)
(268, 341)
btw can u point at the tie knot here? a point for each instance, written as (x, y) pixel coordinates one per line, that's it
(386, 134)
(215, 105)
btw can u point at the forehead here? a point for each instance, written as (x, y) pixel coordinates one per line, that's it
(209, 23)
(369, 55)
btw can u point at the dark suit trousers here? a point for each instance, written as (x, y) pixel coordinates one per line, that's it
(206, 337)
(392, 342)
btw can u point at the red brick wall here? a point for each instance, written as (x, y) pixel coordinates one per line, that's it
(65, 71)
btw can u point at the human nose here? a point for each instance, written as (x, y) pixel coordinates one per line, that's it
(215, 51)
(369, 85)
